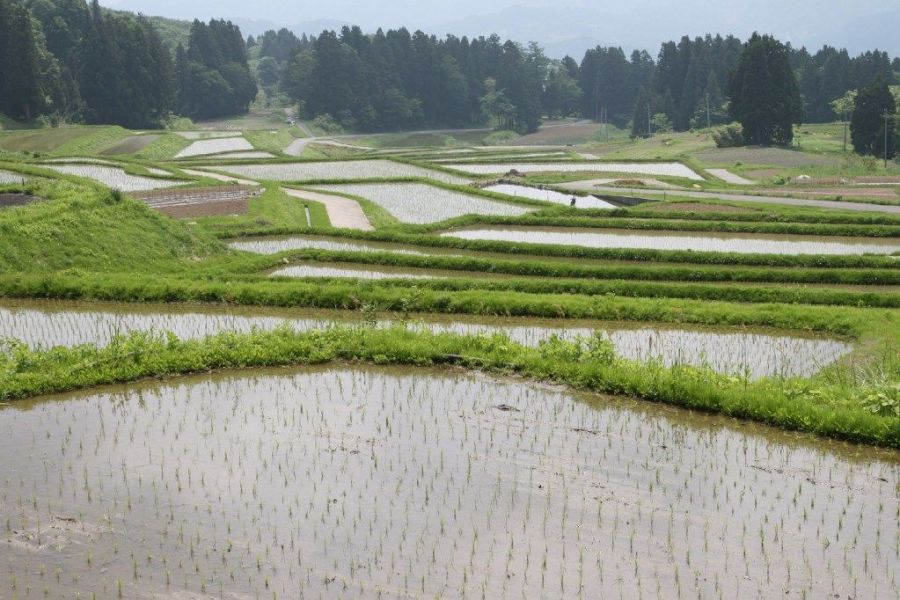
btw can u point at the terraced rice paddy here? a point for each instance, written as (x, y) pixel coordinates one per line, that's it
(338, 170)
(115, 177)
(420, 203)
(283, 244)
(215, 146)
(662, 169)
(249, 154)
(304, 271)
(9, 177)
(705, 242)
(753, 354)
(262, 485)
(523, 191)
(203, 135)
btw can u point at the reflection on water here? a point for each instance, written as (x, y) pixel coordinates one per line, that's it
(363, 482)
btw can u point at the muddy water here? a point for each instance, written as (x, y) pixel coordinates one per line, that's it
(664, 240)
(754, 353)
(352, 482)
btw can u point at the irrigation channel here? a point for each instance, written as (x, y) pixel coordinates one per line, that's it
(353, 481)
(756, 353)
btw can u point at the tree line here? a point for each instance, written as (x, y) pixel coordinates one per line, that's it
(65, 60)
(395, 79)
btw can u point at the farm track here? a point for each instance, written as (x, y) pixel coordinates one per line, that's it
(342, 212)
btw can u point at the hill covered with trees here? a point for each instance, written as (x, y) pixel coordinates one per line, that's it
(66, 61)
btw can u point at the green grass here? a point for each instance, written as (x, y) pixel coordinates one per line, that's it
(272, 141)
(86, 228)
(65, 141)
(164, 148)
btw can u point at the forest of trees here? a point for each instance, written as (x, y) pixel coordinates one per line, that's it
(65, 61)
(395, 79)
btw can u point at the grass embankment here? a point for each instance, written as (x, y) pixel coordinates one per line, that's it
(573, 270)
(84, 227)
(830, 406)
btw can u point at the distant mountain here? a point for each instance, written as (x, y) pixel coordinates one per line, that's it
(570, 26)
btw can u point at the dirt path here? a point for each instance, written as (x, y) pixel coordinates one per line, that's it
(831, 204)
(342, 212)
(729, 177)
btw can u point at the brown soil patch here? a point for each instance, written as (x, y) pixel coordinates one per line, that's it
(131, 145)
(696, 207)
(561, 135)
(200, 202)
(762, 173)
(780, 157)
(879, 179)
(845, 191)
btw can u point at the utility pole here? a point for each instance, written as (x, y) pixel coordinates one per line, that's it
(707, 111)
(845, 130)
(649, 122)
(887, 117)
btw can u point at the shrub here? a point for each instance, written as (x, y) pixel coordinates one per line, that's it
(729, 136)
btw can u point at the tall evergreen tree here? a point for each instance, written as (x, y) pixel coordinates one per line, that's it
(764, 94)
(867, 126)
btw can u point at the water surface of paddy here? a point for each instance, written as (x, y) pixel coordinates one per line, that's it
(755, 353)
(385, 483)
(524, 191)
(665, 240)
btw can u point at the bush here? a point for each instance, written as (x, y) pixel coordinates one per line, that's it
(327, 125)
(729, 136)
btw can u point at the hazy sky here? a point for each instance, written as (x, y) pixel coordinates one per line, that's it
(568, 25)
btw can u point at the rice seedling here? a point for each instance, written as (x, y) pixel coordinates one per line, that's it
(215, 146)
(522, 191)
(663, 169)
(338, 170)
(262, 485)
(669, 241)
(419, 203)
(754, 355)
(8, 177)
(114, 177)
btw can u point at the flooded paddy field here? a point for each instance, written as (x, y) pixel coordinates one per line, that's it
(524, 191)
(274, 245)
(420, 203)
(665, 240)
(384, 483)
(346, 169)
(661, 169)
(756, 353)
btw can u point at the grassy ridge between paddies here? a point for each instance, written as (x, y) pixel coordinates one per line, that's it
(547, 267)
(65, 141)
(839, 406)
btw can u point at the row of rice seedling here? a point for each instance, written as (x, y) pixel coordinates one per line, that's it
(662, 169)
(707, 242)
(755, 355)
(9, 177)
(338, 170)
(115, 177)
(215, 146)
(286, 244)
(420, 203)
(485, 487)
(546, 195)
